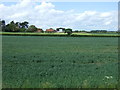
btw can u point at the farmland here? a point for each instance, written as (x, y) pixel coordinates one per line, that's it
(59, 62)
(61, 34)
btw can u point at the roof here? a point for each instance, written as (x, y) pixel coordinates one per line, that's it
(39, 29)
(50, 30)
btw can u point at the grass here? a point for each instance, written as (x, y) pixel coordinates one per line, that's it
(62, 34)
(59, 62)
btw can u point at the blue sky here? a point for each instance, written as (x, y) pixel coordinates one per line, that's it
(84, 6)
(81, 6)
(93, 15)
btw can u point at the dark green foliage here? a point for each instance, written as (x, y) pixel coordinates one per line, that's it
(2, 25)
(32, 28)
(76, 31)
(11, 27)
(98, 31)
(3, 22)
(24, 24)
(59, 62)
(68, 31)
(22, 29)
(14, 27)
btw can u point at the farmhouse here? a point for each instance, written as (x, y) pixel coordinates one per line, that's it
(50, 30)
(39, 30)
(60, 29)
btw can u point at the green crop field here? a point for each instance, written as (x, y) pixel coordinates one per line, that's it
(61, 34)
(59, 62)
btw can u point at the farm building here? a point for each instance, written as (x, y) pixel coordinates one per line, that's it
(60, 30)
(50, 30)
(39, 30)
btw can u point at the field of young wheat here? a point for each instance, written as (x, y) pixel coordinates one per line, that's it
(59, 62)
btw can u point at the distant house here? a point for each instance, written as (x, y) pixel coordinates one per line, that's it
(50, 30)
(39, 30)
(60, 30)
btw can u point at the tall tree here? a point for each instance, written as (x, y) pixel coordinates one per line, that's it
(2, 25)
(24, 24)
(3, 22)
(12, 27)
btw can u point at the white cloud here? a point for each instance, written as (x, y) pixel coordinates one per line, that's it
(44, 15)
(106, 14)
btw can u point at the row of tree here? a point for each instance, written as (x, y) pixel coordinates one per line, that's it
(24, 27)
(95, 31)
(17, 27)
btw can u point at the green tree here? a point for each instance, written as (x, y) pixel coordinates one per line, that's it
(22, 29)
(8, 28)
(12, 27)
(68, 31)
(32, 28)
(2, 25)
(24, 24)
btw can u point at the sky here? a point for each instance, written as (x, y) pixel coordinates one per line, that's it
(76, 15)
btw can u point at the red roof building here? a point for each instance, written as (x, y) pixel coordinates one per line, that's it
(50, 30)
(39, 30)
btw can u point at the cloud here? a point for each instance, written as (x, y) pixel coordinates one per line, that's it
(106, 14)
(45, 15)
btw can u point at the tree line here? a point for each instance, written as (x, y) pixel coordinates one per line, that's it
(17, 27)
(24, 27)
